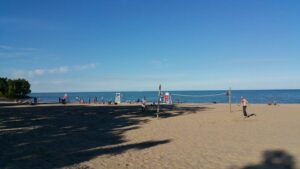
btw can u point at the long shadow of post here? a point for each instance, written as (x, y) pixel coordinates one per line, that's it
(57, 136)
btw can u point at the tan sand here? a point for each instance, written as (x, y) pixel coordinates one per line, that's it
(188, 136)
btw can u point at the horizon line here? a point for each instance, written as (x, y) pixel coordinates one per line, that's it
(157, 90)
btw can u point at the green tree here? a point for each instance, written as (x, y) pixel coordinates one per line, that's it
(25, 88)
(3, 86)
(18, 88)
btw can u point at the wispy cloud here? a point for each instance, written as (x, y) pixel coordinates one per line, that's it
(58, 82)
(87, 66)
(37, 72)
(10, 52)
(29, 23)
(20, 74)
(58, 70)
(51, 71)
(29, 49)
(159, 63)
(5, 47)
(10, 20)
(13, 48)
(28, 74)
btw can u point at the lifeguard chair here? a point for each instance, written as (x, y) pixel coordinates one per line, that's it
(167, 98)
(118, 98)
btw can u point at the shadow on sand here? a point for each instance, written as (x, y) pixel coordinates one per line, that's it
(58, 136)
(275, 159)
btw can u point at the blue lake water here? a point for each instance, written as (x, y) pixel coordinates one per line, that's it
(253, 96)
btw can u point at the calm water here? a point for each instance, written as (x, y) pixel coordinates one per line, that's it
(253, 96)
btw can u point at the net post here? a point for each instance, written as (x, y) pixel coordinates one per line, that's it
(229, 99)
(158, 101)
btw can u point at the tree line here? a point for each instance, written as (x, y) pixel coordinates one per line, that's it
(14, 88)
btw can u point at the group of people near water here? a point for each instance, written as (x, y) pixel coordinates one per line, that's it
(63, 100)
(81, 100)
(94, 100)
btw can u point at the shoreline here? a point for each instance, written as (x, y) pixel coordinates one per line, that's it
(148, 103)
(44, 104)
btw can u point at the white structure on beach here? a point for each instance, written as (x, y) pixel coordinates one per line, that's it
(118, 98)
(167, 98)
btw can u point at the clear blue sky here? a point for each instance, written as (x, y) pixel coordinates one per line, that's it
(135, 45)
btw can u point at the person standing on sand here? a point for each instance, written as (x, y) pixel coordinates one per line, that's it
(244, 102)
(65, 97)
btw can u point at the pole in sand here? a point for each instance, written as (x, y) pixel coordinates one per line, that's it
(229, 99)
(158, 100)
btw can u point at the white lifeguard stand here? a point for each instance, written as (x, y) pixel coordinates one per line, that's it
(118, 98)
(167, 98)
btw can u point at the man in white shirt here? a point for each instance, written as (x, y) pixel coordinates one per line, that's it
(244, 102)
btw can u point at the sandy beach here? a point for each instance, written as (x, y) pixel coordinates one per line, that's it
(204, 136)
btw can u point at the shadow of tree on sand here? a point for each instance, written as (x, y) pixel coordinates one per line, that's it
(275, 159)
(59, 136)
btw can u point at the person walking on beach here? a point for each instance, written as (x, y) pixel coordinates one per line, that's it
(65, 98)
(244, 102)
(95, 100)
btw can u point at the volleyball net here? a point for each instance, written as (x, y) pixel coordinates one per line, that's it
(170, 98)
(201, 96)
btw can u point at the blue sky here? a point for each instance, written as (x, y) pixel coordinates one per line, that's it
(135, 45)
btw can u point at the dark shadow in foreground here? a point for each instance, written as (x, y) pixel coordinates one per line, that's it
(275, 159)
(55, 136)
